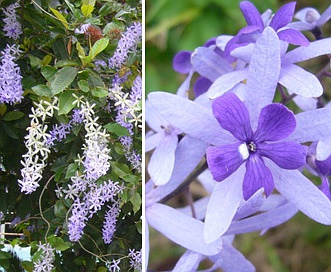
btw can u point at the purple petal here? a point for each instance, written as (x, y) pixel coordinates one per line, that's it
(163, 159)
(209, 64)
(263, 73)
(283, 16)
(293, 36)
(299, 81)
(185, 86)
(251, 14)
(324, 167)
(287, 155)
(225, 160)
(276, 122)
(189, 117)
(233, 116)
(181, 229)
(222, 206)
(201, 86)
(298, 189)
(182, 62)
(257, 176)
(226, 83)
(312, 126)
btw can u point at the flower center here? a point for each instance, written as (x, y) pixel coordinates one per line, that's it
(251, 147)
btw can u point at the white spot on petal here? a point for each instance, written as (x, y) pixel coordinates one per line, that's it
(243, 150)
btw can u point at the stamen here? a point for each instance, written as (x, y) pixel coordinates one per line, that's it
(252, 146)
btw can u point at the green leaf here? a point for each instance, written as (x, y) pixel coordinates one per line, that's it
(100, 92)
(63, 78)
(71, 170)
(139, 227)
(135, 199)
(61, 18)
(98, 47)
(13, 115)
(42, 90)
(83, 85)
(46, 60)
(60, 209)
(81, 54)
(87, 10)
(48, 72)
(57, 243)
(3, 109)
(62, 63)
(66, 100)
(117, 129)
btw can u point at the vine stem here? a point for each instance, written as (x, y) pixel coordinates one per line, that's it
(186, 182)
(40, 207)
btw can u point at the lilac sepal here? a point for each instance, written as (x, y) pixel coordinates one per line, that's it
(226, 83)
(326, 15)
(185, 155)
(266, 220)
(185, 87)
(263, 73)
(276, 151)
(312, 126)
(323, 149)
(257, 176)
(305, 103)
(222, 206)
(294, 186)
(189, 261)
(153, 140)
(283, 16)
(164, 154)
(185, 230)
(313, 50)
(190, 117)
(324, 167)
(209, 64)
(298, 80)
(154, 120)
(146, 247)
(250, 206)
(200, 207)
(230, 259)
(325, 187)
(181, 63)
(251, 14)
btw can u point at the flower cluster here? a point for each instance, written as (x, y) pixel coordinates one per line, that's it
(240, 139)
(109, 224)
(45, 263)
(36, 142)
(11, 90)
(12, 27)
(126, 45)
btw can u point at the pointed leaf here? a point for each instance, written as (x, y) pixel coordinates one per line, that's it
(66, 100)
(62, 19)
(63, 78)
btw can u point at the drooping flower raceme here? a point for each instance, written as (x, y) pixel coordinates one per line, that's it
(12, 26)
(11, 90)
(275, 124)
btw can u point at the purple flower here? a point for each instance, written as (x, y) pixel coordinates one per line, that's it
(12, 27)
(11, 90)
(275, 123)
(256, 25)
(109, 224)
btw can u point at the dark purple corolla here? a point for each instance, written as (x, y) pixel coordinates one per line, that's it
(324, 170)
(275, 124)
(256, 25)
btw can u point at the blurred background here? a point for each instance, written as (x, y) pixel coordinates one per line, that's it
(300, 245)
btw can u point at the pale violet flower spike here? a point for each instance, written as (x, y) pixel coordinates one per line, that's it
(12, 26)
